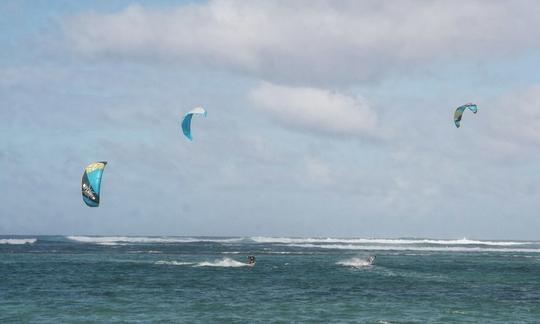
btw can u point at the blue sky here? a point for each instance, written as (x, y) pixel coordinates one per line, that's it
(325, 118)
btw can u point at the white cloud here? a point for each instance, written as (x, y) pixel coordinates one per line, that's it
(312, 41)
(316, 110)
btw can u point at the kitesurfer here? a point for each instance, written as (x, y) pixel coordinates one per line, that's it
(251, 260)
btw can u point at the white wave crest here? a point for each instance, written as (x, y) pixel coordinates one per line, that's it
(18, 241)
(226, 262)
(415, 248)
(464, 241)
(176, 263)
(354, 262)
(118, 240)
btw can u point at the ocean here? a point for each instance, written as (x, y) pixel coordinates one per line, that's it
(82, 279)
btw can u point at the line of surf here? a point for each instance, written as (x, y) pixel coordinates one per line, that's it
(18, 241)
(464, 241)
(414, 248)
(116, 240)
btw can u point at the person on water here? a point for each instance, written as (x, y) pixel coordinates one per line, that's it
(371, 259)
(251, 260)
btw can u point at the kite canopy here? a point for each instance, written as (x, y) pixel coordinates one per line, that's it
(186, 122)
(459, 112)
(91, 183)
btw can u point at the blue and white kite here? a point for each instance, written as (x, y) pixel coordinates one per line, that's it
(186, 122)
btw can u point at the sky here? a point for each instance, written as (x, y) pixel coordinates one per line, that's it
(325, 118)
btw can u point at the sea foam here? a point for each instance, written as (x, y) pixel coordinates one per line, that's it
(354, 262)
(225, 262)
(119, 240)
(18, 241)
(177, 263)
(414, 248)
(463, 241)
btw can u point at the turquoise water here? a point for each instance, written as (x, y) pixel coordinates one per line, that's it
(55, 279)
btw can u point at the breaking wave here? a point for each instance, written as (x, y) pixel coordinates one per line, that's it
(458, 245)
(18, 241)
(414, 248)
(463, 241)
(122, 240)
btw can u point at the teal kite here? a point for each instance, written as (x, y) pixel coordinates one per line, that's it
(186, 122)
(91, 183)
(459, 112)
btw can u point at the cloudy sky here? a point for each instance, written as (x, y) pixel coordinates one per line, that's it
(325, 118)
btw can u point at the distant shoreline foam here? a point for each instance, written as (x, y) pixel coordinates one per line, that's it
(463, 241)
(18, 241)
(291, 240)
(412, 244)
(118, 240)
(413, 248)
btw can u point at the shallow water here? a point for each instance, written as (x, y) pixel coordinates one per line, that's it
(53, 279)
